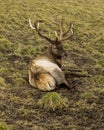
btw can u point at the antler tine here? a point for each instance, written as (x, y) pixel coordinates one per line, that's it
(37, 28)
(61, 28)
(49, 34)
(60, 25)
(54, 21)
(62, 36)
(36, 24)
(30, 23)
(56, 34)
(69, 30)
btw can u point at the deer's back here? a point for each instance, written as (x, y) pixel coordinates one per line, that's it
(46, 73)
(51, 68)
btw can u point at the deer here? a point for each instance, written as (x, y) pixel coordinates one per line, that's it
(45, 71)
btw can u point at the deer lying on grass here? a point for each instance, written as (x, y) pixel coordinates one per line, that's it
(45, 71)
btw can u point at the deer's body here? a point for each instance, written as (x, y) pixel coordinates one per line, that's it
(45, 71)
(45, 74)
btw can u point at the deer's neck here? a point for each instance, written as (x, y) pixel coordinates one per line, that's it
(55, 58)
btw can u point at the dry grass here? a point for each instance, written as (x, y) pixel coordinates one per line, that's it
(18, 44)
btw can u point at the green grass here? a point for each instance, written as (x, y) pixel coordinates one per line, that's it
(19, 43)
(4, 126)
(53, 101)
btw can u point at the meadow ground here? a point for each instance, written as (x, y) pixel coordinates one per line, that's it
(19, 102)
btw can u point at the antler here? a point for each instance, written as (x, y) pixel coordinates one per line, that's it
(63, 35)
(59, 38)
(36, 26)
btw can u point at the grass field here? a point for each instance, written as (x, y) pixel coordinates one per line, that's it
(19, 102)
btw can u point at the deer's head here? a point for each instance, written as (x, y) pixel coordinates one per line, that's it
(56, 48)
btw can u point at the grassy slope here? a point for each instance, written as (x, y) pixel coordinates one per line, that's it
(18, 44)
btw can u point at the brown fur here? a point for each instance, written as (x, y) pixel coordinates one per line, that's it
(45, 71)
(43, 81)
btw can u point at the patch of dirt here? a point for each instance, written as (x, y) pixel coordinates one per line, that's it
(19, 108)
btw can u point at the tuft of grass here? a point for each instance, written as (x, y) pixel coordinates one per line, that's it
(27, 50)
(2, 82)
(89, 97)
(19, 81)
(4, 126)
(101, 63)
(99, 79)
(6, 45)
(3, 70)
(53, 101)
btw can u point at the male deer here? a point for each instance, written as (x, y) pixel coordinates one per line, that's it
(45, 71)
